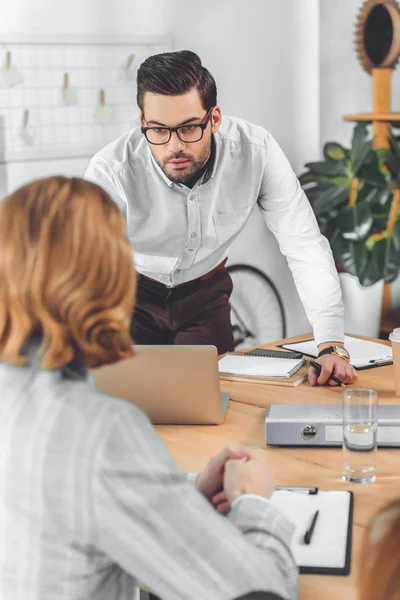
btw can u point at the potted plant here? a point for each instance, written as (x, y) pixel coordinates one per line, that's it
(355, 195)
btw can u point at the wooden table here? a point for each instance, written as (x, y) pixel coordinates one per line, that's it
(192, 446)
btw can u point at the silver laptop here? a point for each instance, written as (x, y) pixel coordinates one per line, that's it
(176, 385)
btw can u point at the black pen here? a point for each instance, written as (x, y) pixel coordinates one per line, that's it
(318, 368)
(308, 534)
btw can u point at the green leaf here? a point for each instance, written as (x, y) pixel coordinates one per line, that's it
(328, 168)
(382, 153)
(309, 178)
(392, 159)
(376, 198)
(361, 146)
(372, 273)
(352, 256)
(312, 191)
(355, 222)
(330, 199)
(387, 259)
(396, 235)
(393, 165)
(395, 145)
(306, 177)
(336, 152)
(370, 173)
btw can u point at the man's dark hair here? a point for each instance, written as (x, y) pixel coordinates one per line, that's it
(174, 74)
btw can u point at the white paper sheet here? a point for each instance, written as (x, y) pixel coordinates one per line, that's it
(363, 353)
(329, 540)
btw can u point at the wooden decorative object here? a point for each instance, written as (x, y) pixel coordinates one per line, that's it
(377, 37)
(377, 44)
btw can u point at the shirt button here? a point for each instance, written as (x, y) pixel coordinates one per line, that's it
(177, 271)
(190, 249)
(194, 235)
(193, 197)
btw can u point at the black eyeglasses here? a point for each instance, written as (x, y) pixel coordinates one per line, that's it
(186, 133)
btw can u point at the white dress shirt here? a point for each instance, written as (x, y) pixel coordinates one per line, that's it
(178, 234)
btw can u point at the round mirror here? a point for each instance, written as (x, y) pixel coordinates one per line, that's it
(378, 34)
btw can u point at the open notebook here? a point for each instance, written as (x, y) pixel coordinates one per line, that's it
(329, 552)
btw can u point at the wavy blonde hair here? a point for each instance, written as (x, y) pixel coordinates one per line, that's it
(66, 274)
(380, 564)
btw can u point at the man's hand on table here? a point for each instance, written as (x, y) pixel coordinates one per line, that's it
(334, 365)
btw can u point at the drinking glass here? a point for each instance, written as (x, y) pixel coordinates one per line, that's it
(360, 424)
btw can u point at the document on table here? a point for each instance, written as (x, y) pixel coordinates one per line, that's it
(364, 354)
(329, 551)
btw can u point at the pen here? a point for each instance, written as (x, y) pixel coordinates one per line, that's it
(318, 368)
(308, 534)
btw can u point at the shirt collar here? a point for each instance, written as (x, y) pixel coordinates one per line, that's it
(215, 150)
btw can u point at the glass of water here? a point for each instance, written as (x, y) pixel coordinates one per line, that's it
(360, 424)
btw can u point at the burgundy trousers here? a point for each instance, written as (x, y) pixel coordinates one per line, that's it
(197, 312)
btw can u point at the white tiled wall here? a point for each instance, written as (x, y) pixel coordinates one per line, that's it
(58, 128)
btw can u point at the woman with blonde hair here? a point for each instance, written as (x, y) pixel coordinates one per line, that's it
(91, 502)
(380, 570)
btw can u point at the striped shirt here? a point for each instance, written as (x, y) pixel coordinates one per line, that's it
(91, 504)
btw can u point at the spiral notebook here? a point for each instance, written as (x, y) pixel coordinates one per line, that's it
(268, 353)
(250, 365)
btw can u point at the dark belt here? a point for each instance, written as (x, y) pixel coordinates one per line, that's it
(205, 277)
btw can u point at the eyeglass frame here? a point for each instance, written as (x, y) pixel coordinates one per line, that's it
(172, 130)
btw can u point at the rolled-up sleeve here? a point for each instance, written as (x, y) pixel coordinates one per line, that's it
(289, 216)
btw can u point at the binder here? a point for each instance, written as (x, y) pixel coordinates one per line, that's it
(329, 551)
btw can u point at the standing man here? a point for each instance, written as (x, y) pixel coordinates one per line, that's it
(187, 181)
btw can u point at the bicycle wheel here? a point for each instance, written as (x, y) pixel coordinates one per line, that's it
(257, 312)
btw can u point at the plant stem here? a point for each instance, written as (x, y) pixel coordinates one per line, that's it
(393, 211)
(353, 191)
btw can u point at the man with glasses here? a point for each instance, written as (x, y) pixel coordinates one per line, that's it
(187, 182)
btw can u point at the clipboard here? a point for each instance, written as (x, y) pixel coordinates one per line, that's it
(330, 549)
(364, 354)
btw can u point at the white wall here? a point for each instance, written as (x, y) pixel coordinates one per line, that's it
(124, 17)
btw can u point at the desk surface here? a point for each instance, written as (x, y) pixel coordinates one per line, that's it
(192, 446)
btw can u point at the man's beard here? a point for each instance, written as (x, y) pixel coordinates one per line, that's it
(190, 174)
